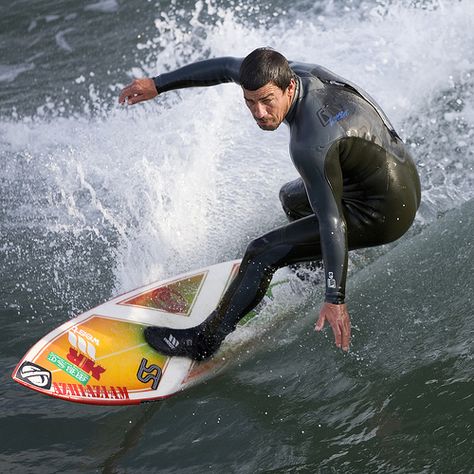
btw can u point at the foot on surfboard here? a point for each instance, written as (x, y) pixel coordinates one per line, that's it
(197, 343)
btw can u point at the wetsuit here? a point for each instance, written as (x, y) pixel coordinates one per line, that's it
(358, 188)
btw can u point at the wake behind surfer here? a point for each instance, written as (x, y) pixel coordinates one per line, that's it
(358, 185)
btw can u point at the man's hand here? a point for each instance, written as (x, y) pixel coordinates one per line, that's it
(138, 91)
(338, 317)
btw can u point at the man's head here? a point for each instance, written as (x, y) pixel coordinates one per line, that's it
(269, 86)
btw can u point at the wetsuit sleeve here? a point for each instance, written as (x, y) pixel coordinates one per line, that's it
(321, 172)
(200, 74)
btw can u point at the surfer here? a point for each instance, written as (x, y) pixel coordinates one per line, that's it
(358, 185)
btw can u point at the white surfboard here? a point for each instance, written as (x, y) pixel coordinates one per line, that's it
(101, 356)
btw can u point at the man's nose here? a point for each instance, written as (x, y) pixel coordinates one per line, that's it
(259, 111)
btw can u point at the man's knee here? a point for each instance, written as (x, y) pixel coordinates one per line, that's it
(284, 199)
(266, 251)
(294, 200)
(256, 249)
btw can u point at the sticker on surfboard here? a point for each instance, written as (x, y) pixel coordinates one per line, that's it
(101, 356)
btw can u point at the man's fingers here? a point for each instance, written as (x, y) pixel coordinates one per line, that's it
(138, 91)
(337, 333)
(131, 98)
(130, 92)
(127, 92)
(346, 334)
(338, 317)
(320, 323)
(135, 99)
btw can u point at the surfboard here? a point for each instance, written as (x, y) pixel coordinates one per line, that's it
(101, 357)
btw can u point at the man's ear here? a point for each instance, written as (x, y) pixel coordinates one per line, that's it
(291, 87)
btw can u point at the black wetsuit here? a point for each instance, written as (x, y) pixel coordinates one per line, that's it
(358, 188)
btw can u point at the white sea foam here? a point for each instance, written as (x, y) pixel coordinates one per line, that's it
(103, 6)
(61, 40)
(10, 73)
(188, 180)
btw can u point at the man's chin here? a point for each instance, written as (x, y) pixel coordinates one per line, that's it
(268, 126)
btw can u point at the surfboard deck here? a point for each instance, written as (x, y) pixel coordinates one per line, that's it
(101, 357)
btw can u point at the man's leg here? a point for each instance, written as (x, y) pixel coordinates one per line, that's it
(295, 204)
(297, 241)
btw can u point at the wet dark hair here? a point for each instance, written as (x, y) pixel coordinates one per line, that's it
(262, 66)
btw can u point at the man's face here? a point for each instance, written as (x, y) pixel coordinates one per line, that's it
(269, 104)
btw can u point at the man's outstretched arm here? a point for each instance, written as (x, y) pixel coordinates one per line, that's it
(200, 74)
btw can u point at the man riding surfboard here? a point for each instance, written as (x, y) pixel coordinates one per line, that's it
(358, 184)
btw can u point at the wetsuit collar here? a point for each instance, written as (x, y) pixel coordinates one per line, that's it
(292, 110)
